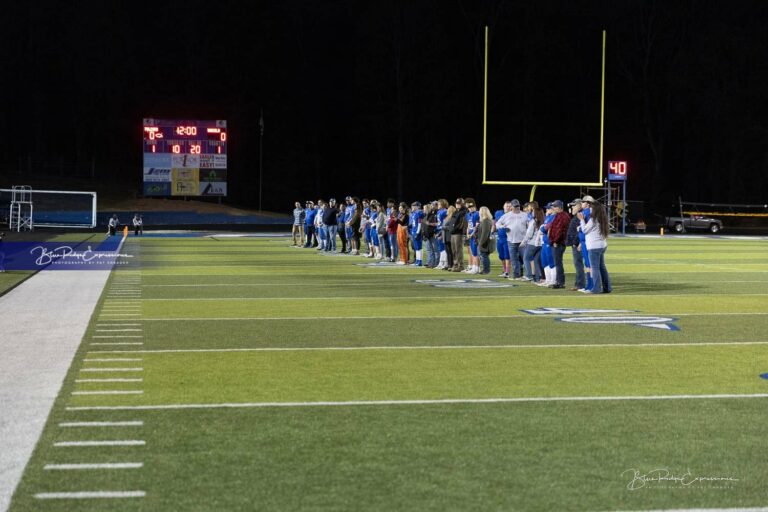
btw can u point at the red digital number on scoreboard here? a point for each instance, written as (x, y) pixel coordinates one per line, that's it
(186, 130)
(618, 167)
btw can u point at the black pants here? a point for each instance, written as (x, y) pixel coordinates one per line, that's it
(311, 237)
(343, 237)
(557, 252)
(448, 251)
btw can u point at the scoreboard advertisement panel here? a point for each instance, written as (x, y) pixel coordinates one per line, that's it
(185, 158)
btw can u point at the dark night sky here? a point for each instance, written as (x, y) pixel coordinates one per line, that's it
(384, 98)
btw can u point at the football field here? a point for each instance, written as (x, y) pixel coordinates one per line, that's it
(239, 373)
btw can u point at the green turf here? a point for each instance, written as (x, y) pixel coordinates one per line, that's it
(206, 294)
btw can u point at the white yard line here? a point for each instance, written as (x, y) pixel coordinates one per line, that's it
(77, 424)
(113, 336)
(433, 347)
(109, 392)
(84, 495)
(109, 380)
(749, 509)
(118, 343)
(513, 315)
(119, 330)
(425, 297)
(79, 444)
(112, 359)
(447, 401)
(102, 465)
(111, 370)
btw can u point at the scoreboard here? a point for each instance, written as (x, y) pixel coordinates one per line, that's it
(185, 158)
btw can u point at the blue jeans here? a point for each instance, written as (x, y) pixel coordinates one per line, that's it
(578, 264)
(514, 255)
(430, 247)
(393, 245)
(536, 257)
(529, 257)
(485, 260)
(600, 277)
(331, 246)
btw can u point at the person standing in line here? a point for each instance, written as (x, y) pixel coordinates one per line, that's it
(558, 231)
(473, 218)
(138, 225)
(298, 225)
(533, 248)
(309, 224)
(502, 248)
(402, 233)
(447, 230)
(428, 228)
(341, 228)
(484, 241)
(330, 216)
(354, 224)
(515, 223)
(596, 231)
(381, 231)
(442, 214)
(546, 258)
(387, 214)
(457, 235)
(320, 229)
(365, 232)
(586, 210)
(373, 245)
(572, 241)
(349, 211)
(417, 215)
(392, 234)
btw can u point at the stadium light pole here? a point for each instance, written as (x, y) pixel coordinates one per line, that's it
(261, 149)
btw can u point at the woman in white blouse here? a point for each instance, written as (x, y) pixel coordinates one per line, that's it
(596, 231)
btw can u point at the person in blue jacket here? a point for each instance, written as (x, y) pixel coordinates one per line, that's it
(309, 224)
(414, 228)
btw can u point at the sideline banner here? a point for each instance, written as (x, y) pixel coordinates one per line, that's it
(62, 255)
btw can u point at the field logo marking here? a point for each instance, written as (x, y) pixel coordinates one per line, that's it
(574, 311)
(654, 322)
(386, 264)
(463, 283)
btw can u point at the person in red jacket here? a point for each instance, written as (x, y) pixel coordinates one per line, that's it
(558, 230)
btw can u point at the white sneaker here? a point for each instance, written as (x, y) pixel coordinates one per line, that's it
(503, 274)
(400, 262)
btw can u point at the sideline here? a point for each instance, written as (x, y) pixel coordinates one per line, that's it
(46, 318)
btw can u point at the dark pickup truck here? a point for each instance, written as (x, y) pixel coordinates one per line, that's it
(693, 222)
